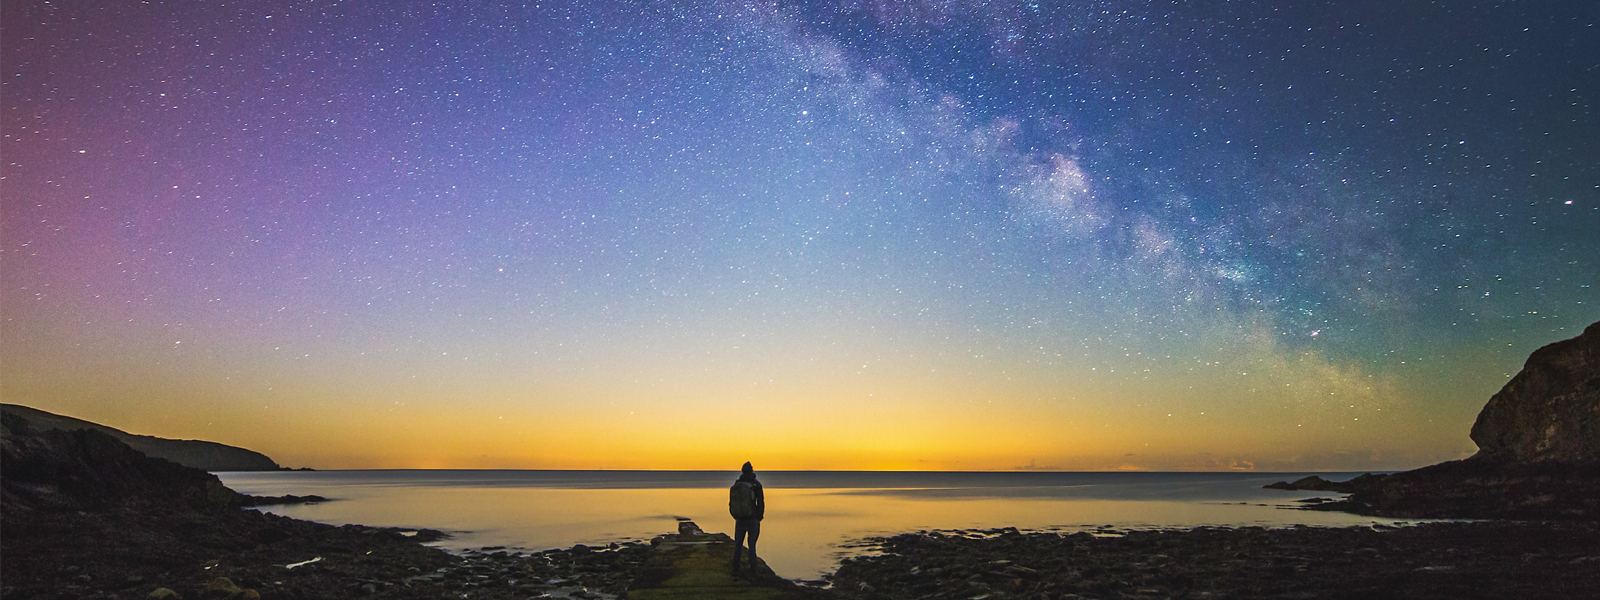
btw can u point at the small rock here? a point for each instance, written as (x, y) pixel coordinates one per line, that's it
(221, 587)
(163, 594)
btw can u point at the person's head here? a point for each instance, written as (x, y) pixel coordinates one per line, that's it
(747, 469)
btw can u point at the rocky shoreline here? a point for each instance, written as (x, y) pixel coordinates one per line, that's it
(311, 560)
(1499, 559)
(1431, 560)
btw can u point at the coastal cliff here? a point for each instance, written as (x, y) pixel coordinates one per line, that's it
(1538, 451)
(87, 516)
(1549, 412)
(203, 455)
(53, 470)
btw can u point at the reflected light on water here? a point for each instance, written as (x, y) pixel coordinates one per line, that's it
(802, 537)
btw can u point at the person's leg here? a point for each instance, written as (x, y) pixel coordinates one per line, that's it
(755, 532)
(739, 532)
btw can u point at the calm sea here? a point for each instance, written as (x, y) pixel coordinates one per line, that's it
(812, 516)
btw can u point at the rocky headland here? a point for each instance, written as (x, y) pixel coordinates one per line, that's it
(1538, 451)
(200, 454)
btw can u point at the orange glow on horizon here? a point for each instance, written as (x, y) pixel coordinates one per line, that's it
(1270, 409)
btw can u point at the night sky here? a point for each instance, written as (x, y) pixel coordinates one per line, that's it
(816, 235)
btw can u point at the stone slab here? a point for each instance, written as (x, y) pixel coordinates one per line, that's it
(695, 564)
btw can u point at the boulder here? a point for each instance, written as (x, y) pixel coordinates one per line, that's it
(222, 587)
(1550, 411)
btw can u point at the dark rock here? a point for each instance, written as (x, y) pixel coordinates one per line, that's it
(1538, 457)
(85, 515)
(1436, 560)
(248, 500)
(1481, 488)
(1316, 484)
(88, 469)
(221, 587)
(1550, 411)
(429, 535)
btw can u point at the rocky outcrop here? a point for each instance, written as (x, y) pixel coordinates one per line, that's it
(1480, 488)
(86, 516)
(248, 500)
(85, 469)
(1318, 484)
(1538, 450)
(695, 564)
(1551, 410)
(203, 455)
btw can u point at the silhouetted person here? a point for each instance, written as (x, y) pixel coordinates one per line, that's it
(748, 505)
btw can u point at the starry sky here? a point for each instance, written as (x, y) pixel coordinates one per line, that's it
(814, 234)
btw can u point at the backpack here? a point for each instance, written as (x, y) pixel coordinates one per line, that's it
(742, 500)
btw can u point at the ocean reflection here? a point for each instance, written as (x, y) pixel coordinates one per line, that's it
(808, 520)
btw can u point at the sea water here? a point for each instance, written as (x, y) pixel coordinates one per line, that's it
(813, 517)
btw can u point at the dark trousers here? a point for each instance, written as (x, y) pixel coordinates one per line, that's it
(741, 528)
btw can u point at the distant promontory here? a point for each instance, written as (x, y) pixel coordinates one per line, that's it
(203, 455)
